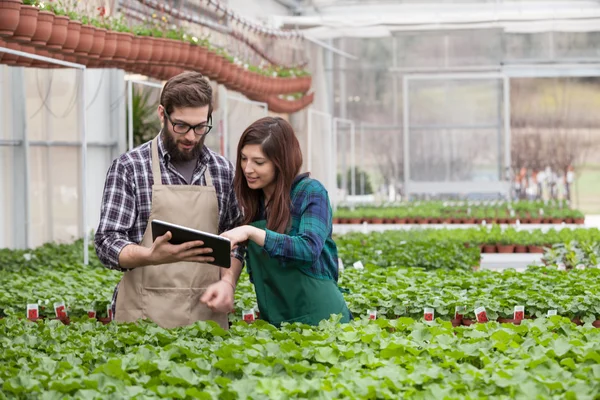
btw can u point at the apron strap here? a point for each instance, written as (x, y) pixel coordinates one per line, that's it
(207, 177)
(156, 162)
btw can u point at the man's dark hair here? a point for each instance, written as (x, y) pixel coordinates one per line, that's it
(188, 89)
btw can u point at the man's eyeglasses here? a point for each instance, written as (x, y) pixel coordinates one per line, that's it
(182, 128)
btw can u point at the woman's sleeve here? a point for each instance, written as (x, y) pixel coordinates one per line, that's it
(314, 228)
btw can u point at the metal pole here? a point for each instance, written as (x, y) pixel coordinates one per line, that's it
(82, 129)
(130, 115)
(405, 110)
(507, 127)
(362, 158)
(353, 159)
(225, 125)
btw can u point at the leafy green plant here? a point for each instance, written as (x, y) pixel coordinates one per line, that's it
(146, 124)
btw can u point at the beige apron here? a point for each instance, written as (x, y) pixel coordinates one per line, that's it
(170, 294)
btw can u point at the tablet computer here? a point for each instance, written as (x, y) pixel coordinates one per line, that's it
(220, 246)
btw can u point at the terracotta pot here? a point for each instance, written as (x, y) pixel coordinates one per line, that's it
(209, 66)
(557, 220)
(10, 59)
(158, 47)
(579, 221)
(146, 48)
(519, 248)
(123, 49)
(134, 51)
(201, 58)
(10, 14)
(73, 33)
(110, 46)
(510, 248)
(489, 248)
(376, 221)
(184, 53)
(192, 56)
(59, 32)
(44, 28)
(86, 40)
(468, 322)
(98, 43)
(168, 51)
(535, 220)
(27, 23)
(535, 249)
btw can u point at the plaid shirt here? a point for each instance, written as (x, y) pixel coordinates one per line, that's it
(308, 244)
(127, 198)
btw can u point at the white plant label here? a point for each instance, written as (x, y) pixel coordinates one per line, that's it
(552, 312)
(428, 314)
(459, 312)
(33, 311)
(481, 314)
(249, 315)
(358, 265)
(340, 265)
(60, 310)
(372, 314)
(519, 313)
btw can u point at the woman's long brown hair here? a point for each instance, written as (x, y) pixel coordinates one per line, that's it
(279, 144)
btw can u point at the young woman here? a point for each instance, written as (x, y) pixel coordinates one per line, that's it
(291, 257)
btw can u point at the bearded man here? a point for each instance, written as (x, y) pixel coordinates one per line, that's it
(173, 178)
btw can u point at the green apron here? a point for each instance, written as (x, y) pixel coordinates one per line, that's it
(286, 294)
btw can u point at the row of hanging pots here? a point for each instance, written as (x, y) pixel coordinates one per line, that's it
(27, 29)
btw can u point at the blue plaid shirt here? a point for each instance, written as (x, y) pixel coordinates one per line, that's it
(127, 199)
(307, 244)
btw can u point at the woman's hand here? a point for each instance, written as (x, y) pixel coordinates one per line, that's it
(238, 235)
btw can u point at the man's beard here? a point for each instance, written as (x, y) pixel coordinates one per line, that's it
(176, 154)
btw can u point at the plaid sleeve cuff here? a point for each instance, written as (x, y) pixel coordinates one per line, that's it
(111, 251)
(239, 253)
(273, 243)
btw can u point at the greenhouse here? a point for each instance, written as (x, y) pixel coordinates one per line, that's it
(365, 199)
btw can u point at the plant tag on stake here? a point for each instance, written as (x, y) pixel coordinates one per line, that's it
(60, 310)
(372, 314)
(249, 316)
(519, 313)
(552, 312)
(561, 266)
(481, 314)
(358, 265)
(109, 312)
(33, 311)
(459, 312)
(580, 266)
(428, 314)
(91, 313)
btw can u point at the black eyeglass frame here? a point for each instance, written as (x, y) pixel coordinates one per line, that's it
(204, 125)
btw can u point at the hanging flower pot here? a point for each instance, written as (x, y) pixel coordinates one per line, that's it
(167, 55)
(10, 59)
(134, 53)
(98, 43)
(86, 40)
(10, 12)
(73, 33)
(184, 54)
(27, 23)
(124, 40)
(59, 32)
(157, 50)
(202, 58)
(110, 46)
(192, 57)
(146, 48)
(44, 28)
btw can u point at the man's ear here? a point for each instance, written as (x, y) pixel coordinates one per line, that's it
(161, 113)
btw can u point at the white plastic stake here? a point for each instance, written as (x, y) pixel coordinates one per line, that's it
(428, 314)
(358, 265)
(519, 313)
(481, 314)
